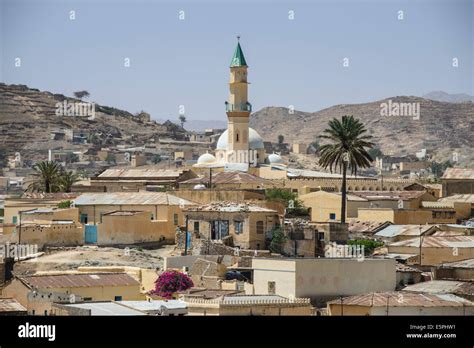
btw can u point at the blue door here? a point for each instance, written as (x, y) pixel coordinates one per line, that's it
(90, 234)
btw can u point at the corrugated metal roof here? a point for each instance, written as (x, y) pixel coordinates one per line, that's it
(466, 198)
(154, 305)
(404, 299)
(230, 178)
(439, 204)
(106, 308)
(438, 242)
(130, 198)
(79, 280)
(251, 298)
(10, 305)
(442, 287)
(406, 230)
(389, 195)
(145, 172)
(459, 173)
(469, 263)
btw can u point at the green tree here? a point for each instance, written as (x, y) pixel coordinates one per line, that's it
(368, 244)
(438, 168)
(45, 177)
(375, 152)
(66, 180)
(156, 159)
(346, 150)
(81, 94)
(182, 120)
(278, 240)
(281, 139)
(3, 157)
(64, 204)
(287, 197)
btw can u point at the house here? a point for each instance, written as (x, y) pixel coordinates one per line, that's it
(300, 148)
(365, 229)
(322, 279)
(89, 286)
(46, 226)
(140, 178)
(457, 270)
(162, 206)
(247, 224)
(395, 233)
(326, 206)
(458, 181)
(455, 287)
(230, 181)
(461, 198)
(400, 303)
(436, 190)
(436, 249)
(407, 275)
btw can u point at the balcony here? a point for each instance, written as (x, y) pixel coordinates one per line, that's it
(238, 107)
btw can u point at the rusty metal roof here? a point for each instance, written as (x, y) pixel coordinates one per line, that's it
(459, 173)
(78, 280)
(130, 198)
(389, 195)
(404, 299)
(10, 305)
(463, 198)
(144, 172)
(469, 263)
(442, 287)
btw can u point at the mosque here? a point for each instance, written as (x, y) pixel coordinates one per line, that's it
(240, 146)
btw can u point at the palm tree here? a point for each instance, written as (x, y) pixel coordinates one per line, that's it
(346, 149)
(46, 177)
(66, 180)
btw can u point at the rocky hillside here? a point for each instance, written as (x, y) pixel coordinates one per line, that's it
(442, 128)
(28, 116)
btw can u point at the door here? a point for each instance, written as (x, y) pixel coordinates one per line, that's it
(90, 234)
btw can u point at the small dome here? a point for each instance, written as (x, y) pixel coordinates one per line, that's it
(255, 140)
(199, 187)
(274, 159)
(207, 158)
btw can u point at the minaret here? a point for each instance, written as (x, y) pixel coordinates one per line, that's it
(238, 108)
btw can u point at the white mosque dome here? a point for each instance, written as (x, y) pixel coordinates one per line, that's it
(275, 159)
(207, 158)
(255, 141)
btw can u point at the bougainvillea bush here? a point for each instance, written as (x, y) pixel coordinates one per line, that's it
(170, 282)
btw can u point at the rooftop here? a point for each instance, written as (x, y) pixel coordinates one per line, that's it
(8, 305)
(130, 198)
(106, 308)
(142, 172)
(231, 207)
(154, 305)
(78, 280)
(404, 299)
(469, 263)
(459, 173)
(442, 287)
(356, 226)
(230, 178)
(404, 230)
(388, 195)
(466, 198)
(438, 242)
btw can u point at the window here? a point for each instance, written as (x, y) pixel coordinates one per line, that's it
(320, 235)
(219, 229)
(271, 288)
(118, 298)
(14, 219)
(83, 218)
(239, 227)
(176, 222)
(332, 216)
(259, 227)
(237, 137)
(196, 226)
(87, 299)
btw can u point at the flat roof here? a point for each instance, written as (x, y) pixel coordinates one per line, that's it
(78, 280)
(442, 287)
(106, 308)
(154, 305)
(231, 207)
(438, 242)
(130, 198)
(10, 305)
(459, 173)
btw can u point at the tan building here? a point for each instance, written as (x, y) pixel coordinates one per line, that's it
(436, 249)
(300, 148)
(457, 270)
(230, 180)
(458, 181)
(326, 206)
(247, 224)
(400, 303)
(91, 287)
(46, 226)
(460, 198)
(322, 278)
(162, 206)
(436, 190)
(141, 178)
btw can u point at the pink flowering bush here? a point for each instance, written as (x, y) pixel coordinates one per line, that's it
(170, 282)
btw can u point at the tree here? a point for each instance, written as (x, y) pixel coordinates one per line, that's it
(346, 150)
(170, 282)
(287, 197)
(278, 240)
(375, 152)
(438, 168)
(3, 156)
(66, 180)
(182, 120)
(46, 177)
(111, 158)
(281, 139)
(81, 94)
(71, 158)
(368, 244)
(64, 204)
(156, 159)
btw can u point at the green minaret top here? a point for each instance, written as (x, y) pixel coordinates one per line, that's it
(238, 59)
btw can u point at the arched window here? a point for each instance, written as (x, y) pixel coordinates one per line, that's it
(237, 136)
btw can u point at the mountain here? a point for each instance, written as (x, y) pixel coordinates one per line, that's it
(449, 98)
(442, 128)
(28, 116)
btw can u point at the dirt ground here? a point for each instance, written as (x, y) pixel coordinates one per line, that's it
(62, 259)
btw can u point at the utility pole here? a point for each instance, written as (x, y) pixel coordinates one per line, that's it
(186, 237)
(421, 242)
(19, 229)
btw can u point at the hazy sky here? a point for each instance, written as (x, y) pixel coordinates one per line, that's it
(296, 62)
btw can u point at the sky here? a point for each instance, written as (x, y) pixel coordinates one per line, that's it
(295, 50)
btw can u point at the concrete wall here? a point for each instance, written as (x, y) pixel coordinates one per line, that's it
(324, 277)
(452, 186)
